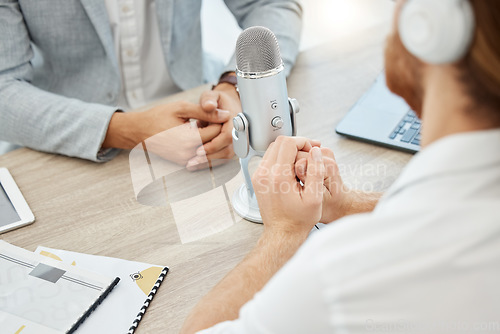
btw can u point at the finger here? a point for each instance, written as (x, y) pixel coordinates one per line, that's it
(280, 156)
(209, 100)
(191, 110)
(206, 165)
(201, 124)
(327, 153)
(211, 160)
(315, 142)
(301, 155)
(313, 185)
(201, 162)
(209, 132)
(223, 140)
(300, 169)
(301, 162)
(226, 153)
(289, 146)
(331, 173)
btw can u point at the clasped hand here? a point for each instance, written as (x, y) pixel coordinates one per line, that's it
(297, 185)
(168, 132)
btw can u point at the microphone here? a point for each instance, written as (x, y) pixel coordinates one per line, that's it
(268, 112)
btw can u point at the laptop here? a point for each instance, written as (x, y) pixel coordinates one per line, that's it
(383, 118)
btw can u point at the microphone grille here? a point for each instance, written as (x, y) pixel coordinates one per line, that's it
(257, 50)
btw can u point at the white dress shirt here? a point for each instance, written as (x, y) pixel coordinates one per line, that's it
(144, 73)
(427, 260)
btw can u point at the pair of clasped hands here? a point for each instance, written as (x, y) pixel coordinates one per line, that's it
(194, 135)
(207, 140)
(297, 182)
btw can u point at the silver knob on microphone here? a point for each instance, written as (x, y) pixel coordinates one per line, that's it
(277, 122)
(238, 124)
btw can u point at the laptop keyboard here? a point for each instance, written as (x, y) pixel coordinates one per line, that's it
(408, 129)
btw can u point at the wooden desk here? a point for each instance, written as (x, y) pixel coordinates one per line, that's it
(91, 208)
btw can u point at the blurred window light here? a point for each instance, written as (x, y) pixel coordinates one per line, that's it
(325, 20)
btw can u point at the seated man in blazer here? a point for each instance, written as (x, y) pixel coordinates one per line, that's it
(425, 258)
(97, 57)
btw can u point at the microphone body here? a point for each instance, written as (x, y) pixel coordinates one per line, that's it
(268, 112)
(264, 101)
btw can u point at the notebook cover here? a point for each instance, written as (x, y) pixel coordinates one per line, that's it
(50, 284)
(127, 305)
(148, 301)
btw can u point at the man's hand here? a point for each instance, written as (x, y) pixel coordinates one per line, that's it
(224, 97)
(338, 199)
(285, 204)
(167, 128)
(289, 211)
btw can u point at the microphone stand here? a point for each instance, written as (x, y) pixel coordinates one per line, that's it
(244, 200)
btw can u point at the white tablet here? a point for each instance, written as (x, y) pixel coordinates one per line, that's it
(14, 211)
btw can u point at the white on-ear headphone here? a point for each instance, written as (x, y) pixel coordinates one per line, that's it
(437, 31)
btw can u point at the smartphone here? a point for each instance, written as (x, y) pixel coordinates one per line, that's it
(14, 211)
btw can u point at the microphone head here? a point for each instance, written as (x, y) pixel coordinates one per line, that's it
(257, 50)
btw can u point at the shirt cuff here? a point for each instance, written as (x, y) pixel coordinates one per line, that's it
(107, 154)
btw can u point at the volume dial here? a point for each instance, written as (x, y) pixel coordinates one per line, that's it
(277, 122)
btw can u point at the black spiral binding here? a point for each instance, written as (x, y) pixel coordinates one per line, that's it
(94, 306)
(148, 301)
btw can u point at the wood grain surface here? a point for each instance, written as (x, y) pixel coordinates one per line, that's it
(91, 208)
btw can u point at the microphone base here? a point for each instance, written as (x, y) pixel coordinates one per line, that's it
(246, 205)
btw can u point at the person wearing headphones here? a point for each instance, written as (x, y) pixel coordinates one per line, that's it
(425, 256)
(95, 59)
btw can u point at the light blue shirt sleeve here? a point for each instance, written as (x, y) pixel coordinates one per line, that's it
(283, 18)
(36, 118)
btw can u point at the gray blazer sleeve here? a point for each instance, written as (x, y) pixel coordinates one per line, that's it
(36, 118)
(283, 17)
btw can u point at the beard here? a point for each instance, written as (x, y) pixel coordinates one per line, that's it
(403, 72)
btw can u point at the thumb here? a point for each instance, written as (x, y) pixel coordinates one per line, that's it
(209, 100)
(313, 185)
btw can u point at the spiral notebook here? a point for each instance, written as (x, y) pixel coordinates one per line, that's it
(39, 295)
(125, 307)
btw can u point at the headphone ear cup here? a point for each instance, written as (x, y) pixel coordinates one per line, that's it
(437, 32)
